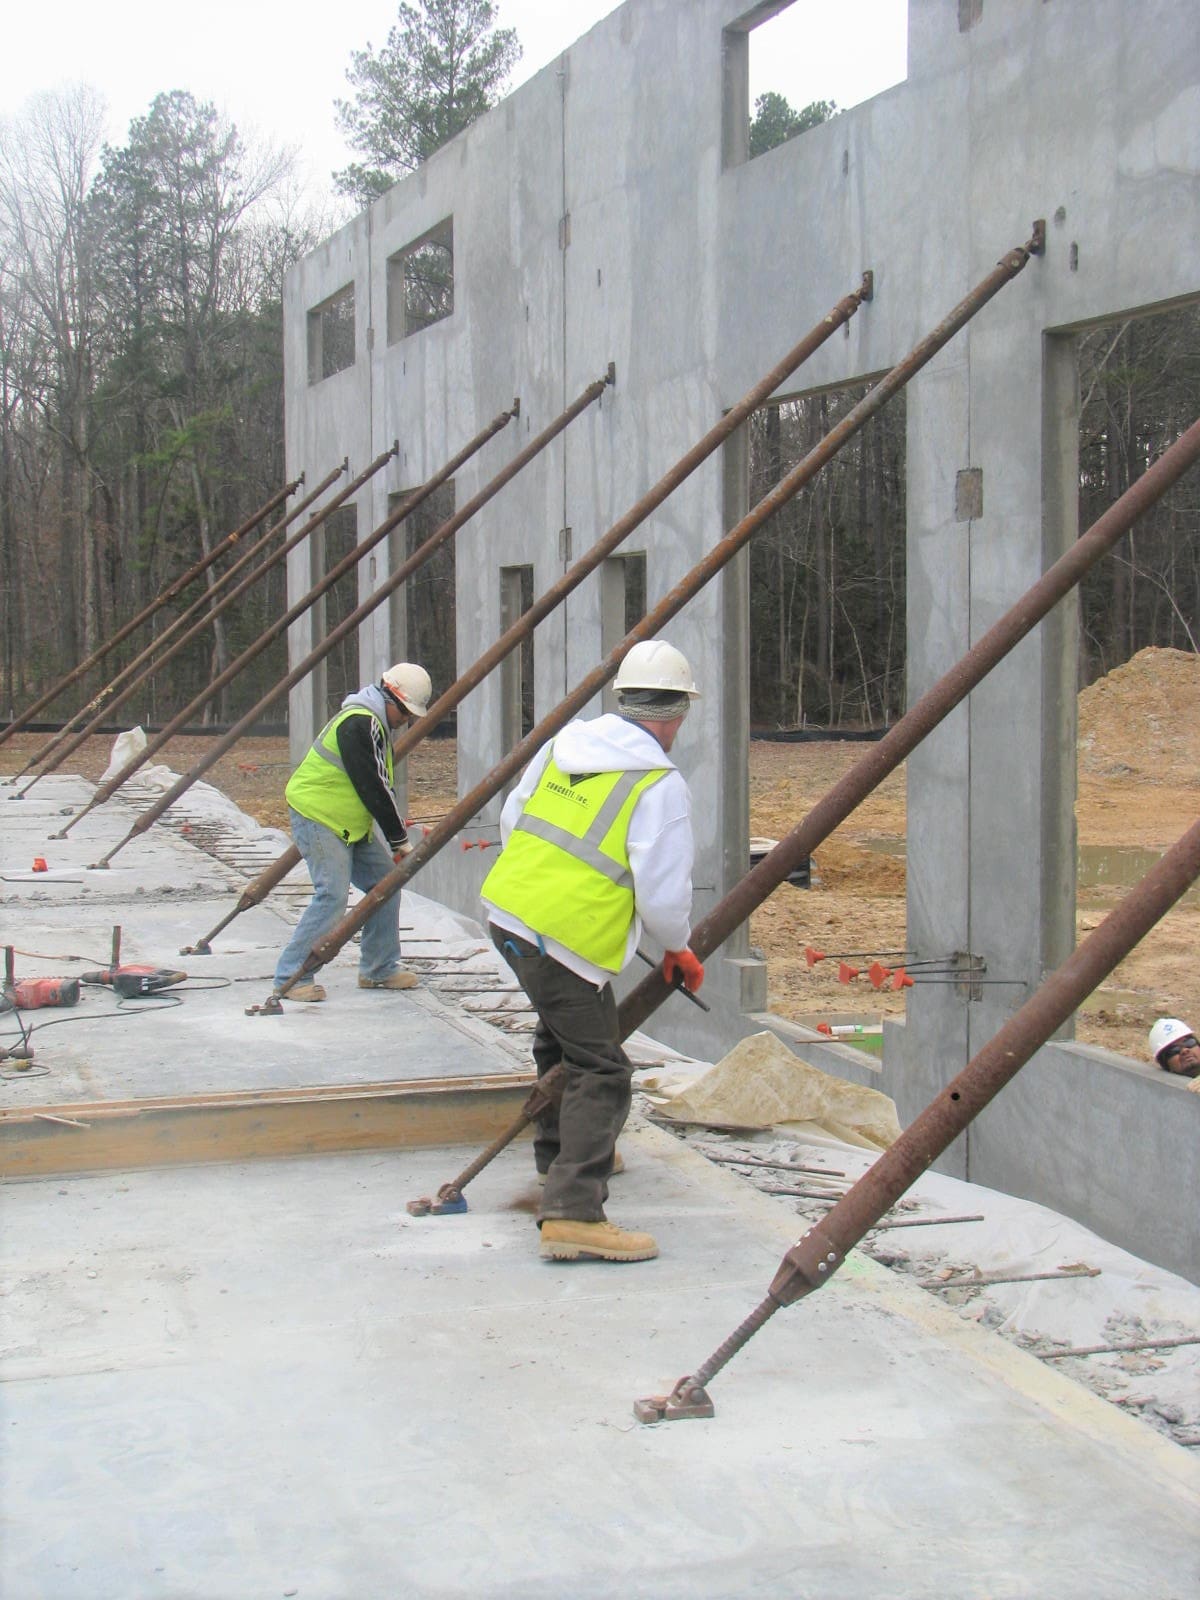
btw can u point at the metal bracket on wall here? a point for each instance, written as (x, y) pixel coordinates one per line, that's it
(970, 967)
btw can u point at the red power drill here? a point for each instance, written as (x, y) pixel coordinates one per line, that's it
(129, 982)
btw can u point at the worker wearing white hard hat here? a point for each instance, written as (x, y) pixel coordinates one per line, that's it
(338, 796)
(597, 844)
(1174, 1046)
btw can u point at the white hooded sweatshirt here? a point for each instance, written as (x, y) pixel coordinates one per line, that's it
(660, 835)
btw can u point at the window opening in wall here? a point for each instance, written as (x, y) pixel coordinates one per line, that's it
(420, 282)
(827, 571)
(788, 67)
(337, 674)
(1138, 380)
(622, 603)
(331, 335)
(516, 671)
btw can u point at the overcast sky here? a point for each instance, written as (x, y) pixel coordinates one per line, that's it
(277, 69)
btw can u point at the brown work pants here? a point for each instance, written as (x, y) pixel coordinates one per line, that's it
(577, 1025)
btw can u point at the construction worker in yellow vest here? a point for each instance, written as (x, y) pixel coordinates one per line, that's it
(597, 844)
(337, 795)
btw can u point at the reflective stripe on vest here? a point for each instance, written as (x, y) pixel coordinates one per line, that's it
(565, 869)
(319, 788)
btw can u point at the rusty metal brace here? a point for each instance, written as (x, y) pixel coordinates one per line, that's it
(449, 1200)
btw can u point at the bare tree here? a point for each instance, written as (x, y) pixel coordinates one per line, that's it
(47, 159)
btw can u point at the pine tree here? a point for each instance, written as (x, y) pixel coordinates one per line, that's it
(444, 64)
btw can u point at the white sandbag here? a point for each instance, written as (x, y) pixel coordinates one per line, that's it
(126, 746)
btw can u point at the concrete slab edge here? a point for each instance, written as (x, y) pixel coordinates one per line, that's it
(1020, 1371)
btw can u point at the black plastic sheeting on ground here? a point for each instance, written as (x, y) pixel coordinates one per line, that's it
(817, 735)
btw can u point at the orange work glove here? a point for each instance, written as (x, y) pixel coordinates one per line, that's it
(401, 850)
(684, 965)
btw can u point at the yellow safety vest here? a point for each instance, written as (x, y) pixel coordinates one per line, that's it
(320, 789)
(565, 869)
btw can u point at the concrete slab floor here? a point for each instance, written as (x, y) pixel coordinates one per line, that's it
(166, 893)
(267, 1379)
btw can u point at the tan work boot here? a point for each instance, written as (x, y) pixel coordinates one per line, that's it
(617, 1166)
(304, 991)
(566, 1240)
(400, 979)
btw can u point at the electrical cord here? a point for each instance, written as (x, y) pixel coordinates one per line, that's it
(40, 955)
(137, 1005)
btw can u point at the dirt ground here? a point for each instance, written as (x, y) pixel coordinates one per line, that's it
(1139, 789)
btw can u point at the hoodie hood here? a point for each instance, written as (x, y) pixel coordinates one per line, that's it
(373, 698)
(608, 744)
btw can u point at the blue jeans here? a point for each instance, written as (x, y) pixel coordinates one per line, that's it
(333, 866)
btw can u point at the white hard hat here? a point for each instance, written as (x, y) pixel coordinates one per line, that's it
(655, 664)
(409, 684)
(1164, 1032)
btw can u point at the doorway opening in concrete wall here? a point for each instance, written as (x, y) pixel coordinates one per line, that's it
(517, 713)
(827, 571)
(1138, 671)
(337, 675)
(1138, 381)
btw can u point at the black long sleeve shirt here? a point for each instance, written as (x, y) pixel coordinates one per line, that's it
(362, 745)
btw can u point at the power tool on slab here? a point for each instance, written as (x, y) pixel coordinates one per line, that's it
(30, 994)
(131, 981)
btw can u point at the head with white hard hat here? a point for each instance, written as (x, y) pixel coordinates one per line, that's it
(408, 687)
(655, 688)
(1174, 1046)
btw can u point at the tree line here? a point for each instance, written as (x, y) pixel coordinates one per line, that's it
(141, 372)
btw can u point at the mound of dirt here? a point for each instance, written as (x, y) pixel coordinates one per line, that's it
(1142, 719)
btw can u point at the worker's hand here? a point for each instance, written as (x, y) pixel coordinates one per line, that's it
(684, 965)
(1194, 1086)
(402, 850)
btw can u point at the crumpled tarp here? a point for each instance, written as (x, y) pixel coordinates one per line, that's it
(761, 1084)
